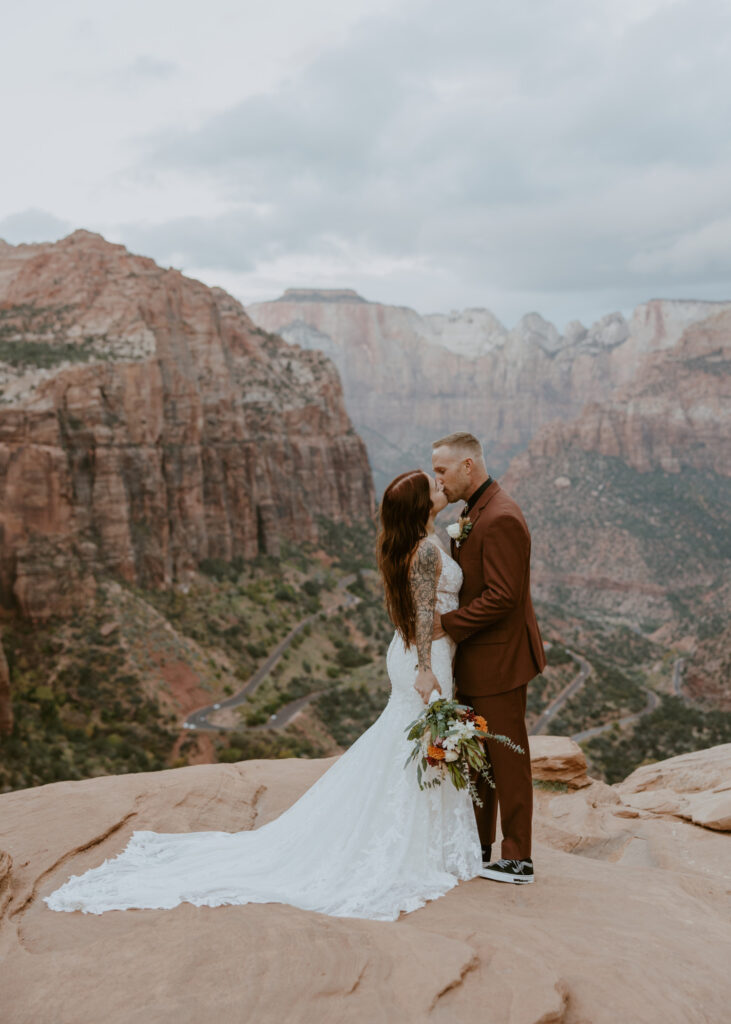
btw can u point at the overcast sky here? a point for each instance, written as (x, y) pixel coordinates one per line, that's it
(570, 157)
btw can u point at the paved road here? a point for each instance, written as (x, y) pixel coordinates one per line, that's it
(287, 712)
(652, 702)
(198, 720)
(677, 677)
(568, 691)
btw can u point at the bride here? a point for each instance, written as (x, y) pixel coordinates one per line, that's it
(364, 840)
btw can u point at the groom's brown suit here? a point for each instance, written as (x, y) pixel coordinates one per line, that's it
(499, 651)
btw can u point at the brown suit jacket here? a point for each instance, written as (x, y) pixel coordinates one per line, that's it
(500, 646)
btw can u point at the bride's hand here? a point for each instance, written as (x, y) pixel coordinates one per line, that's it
(425, 682)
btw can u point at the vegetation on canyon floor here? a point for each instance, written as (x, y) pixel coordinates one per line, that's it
(103, 694)
(107, 692)
(80, 710)
(671, 728)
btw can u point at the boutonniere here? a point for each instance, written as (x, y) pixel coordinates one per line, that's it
(460, 530)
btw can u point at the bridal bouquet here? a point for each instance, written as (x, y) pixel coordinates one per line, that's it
(450, 743)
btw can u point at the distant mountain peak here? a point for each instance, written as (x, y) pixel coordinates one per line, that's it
(321, 295)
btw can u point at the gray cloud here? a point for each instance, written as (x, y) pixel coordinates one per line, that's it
(528, 146)
(33, 225)
(146, 66)
(548, 155)
(218, 243)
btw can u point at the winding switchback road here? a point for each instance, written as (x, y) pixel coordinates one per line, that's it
(568, 691)
(652, 702)
(199, 719)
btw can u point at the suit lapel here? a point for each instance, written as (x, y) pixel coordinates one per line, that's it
(486, 498)
(456, 550)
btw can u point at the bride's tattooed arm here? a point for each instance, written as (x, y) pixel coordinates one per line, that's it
(423, 576)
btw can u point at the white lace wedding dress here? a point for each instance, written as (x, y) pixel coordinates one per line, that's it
(363, 841)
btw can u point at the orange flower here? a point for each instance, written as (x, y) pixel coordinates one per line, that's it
(436, 752)
(481, 723)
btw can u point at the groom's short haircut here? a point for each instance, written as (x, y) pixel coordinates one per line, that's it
(463, 442)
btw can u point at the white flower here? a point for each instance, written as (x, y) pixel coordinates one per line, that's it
(454, 530)
(451, 755)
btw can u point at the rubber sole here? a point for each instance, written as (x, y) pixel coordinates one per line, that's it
(495, 876)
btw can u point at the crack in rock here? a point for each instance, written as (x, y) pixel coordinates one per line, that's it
(558, 1016)
(254, 808)
(471, 965)
(6, 867)
(67, 857)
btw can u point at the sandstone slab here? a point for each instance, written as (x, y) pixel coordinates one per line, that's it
(696, 786)
(649, 910)
(558, 759)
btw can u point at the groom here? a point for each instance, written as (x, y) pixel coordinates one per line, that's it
(499, 644)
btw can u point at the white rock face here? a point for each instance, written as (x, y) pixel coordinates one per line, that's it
(409, 378)
(659, 323)
(574, 332)
(471, 333)
(533, 330)
(608, 332)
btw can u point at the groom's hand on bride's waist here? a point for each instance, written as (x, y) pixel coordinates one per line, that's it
(425, 682)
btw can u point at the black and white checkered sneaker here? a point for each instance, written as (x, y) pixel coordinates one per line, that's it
(518, 871)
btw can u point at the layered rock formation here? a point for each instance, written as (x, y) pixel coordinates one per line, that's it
(409, 379)
(630, 503)
(676, 413)
(147, 424)
(693, 786)
(622, 891)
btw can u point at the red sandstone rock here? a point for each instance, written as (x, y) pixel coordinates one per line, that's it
(695, 786)
(642, 898)
(558, 759)
(188, 433)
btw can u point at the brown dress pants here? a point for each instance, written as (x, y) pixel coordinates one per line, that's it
(505, 715)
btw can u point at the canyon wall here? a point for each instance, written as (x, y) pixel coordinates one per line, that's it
(147, 424)
(409, 379)
(630, 502)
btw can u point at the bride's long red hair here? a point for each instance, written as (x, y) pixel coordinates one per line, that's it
(405, 509)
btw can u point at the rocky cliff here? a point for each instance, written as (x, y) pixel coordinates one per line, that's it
(147, 424)
(409, 378)
(630, 502)
(675, 414)
(630, 884)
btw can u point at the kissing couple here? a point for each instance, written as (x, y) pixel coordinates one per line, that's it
(365, 841)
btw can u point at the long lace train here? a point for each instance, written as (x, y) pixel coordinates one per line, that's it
(363, 841)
